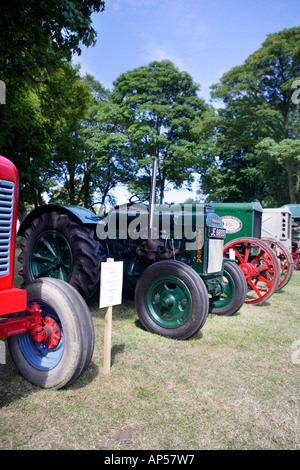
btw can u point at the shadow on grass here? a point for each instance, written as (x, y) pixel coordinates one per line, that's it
(13, 386)
(116, 350)
(197, 335)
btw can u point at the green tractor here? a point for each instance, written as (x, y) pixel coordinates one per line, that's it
(172, 258)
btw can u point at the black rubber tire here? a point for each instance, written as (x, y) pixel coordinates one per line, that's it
(197, 290)
(87, 324)
(78, 335)
(85, 250)
(232, 274)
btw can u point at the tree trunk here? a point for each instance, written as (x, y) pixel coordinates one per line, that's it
(292, 192)
(71, 183)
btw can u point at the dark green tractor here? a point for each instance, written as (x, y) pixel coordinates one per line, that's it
(172, 257)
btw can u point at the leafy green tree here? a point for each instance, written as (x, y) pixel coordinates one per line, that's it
(69, 98)
(258, 121)
(160, 105)
(37, 34)
(24, 140)
(285, 153)
(36, 39)
(90, 145)
(107, 148)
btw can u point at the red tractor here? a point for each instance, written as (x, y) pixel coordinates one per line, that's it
(48, 326)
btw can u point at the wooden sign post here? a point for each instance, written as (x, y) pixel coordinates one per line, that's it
(111, 283)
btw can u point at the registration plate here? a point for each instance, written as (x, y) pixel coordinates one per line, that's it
(216, 232)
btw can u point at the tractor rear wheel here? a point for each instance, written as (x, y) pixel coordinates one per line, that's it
(171, 300)
(66, 352)
(57, 246)
(233, 291)
(296, 254)
(259, 264)
(285, 259)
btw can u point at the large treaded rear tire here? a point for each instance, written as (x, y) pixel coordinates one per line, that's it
(79, 264)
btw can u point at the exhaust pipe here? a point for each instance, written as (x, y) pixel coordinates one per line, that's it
(152, 198)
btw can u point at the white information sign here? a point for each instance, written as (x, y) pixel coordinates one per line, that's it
(111, 283)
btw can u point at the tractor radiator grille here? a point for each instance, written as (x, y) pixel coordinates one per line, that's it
(6, 219)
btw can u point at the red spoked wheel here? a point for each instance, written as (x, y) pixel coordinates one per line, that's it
(285, 260)
(296, 254)
(259, 264)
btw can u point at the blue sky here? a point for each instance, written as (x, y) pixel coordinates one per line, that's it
(203, 38)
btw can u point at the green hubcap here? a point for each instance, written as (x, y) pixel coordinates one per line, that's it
(51, 256)
(227, 292)
(168, 301)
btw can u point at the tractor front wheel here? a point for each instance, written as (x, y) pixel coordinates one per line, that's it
(233, 291)
(65, 353)
(171, 300)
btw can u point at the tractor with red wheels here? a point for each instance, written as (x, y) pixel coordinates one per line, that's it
(47, 325)
(276, 230)
(294, 209)
(259, 241)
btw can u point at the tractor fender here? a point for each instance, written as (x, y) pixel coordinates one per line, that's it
(80, 214)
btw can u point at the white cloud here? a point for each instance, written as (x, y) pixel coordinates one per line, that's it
(153, 51)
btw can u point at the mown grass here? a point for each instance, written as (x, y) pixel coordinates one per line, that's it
(235, 385)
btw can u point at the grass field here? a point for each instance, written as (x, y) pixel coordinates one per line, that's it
(235, 385)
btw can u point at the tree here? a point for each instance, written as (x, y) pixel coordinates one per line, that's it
(160, 105)
(90, 144)
(107, 148)
(25, 141)
(259, 114)
(287, 154)
(69, 99)
(36, 39)
(37, 34)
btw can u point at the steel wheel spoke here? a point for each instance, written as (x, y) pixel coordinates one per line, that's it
(44, 271)
(257, 258)
(262, 268)
(253, 286)
(259, 266)
(247, 252)
(51, 256)
(40, 257)
(265, 280)
(238, 254)
(48, 246)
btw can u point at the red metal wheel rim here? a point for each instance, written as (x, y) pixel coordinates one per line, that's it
(296, 254)
(52, 332)
(259, 265)
(285, 260)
